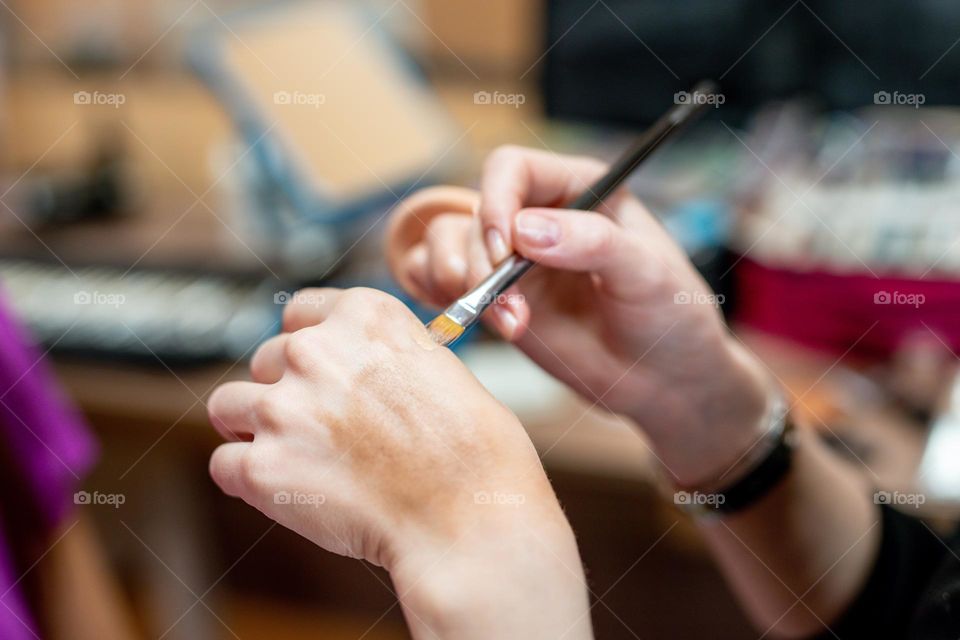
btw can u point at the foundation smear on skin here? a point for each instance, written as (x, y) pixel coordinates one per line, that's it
(423, 339)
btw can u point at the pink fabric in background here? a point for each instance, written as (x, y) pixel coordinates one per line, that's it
(831, 312)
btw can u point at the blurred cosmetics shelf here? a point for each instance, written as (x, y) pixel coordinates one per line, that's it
(876, 191)
(847, 228)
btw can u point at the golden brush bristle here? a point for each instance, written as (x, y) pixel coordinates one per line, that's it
(444, 329)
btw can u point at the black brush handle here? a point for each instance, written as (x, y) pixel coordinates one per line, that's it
(673, 121)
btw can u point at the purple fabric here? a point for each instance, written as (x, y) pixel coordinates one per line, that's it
(48, 450)
(16, 621)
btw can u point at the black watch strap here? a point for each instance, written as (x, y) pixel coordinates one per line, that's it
(762, 478)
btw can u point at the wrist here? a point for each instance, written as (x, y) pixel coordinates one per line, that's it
(752, 477)
(729, 415)
(519, 578)
(754, 406)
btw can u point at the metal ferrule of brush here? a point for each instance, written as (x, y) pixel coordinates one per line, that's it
(467, 309)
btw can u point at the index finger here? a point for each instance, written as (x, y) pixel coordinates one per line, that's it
(516, 177)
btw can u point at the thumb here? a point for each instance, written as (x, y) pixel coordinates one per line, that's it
(583, 242)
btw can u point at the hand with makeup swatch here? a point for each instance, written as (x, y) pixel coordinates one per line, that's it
(362, 435)
(614, 309)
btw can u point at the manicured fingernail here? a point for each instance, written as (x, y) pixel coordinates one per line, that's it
(538, 230)
(496, 246)
(507, 320)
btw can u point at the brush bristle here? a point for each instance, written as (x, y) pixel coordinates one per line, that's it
(444, 330)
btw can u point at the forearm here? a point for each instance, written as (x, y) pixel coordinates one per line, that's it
(800, 555)
(523, 582)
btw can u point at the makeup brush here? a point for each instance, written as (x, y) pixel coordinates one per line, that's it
(446, 328)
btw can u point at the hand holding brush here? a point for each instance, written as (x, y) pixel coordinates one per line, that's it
(466, 311)
(604, 310)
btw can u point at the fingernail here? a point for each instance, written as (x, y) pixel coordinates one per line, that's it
(496, 246)
(538, 230)
(507, 320)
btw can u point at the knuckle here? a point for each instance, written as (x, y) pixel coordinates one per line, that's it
(215, 402)
(600, 237)
(371, 303)
(270, 409)
(302, 307)
(216, 467)
(290, 314)
(590, 166)
(298, 350)
(258, 364)
(392, 306)
(448, 228)
(505, 154)
(311, 295)
(371, 315)
(255, 469)
(357, 299)
(291, 310)
(392, 310)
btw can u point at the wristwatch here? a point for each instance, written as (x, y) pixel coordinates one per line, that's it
(759, 471)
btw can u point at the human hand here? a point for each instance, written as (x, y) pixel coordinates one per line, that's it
(364, 436)
(615, 310)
